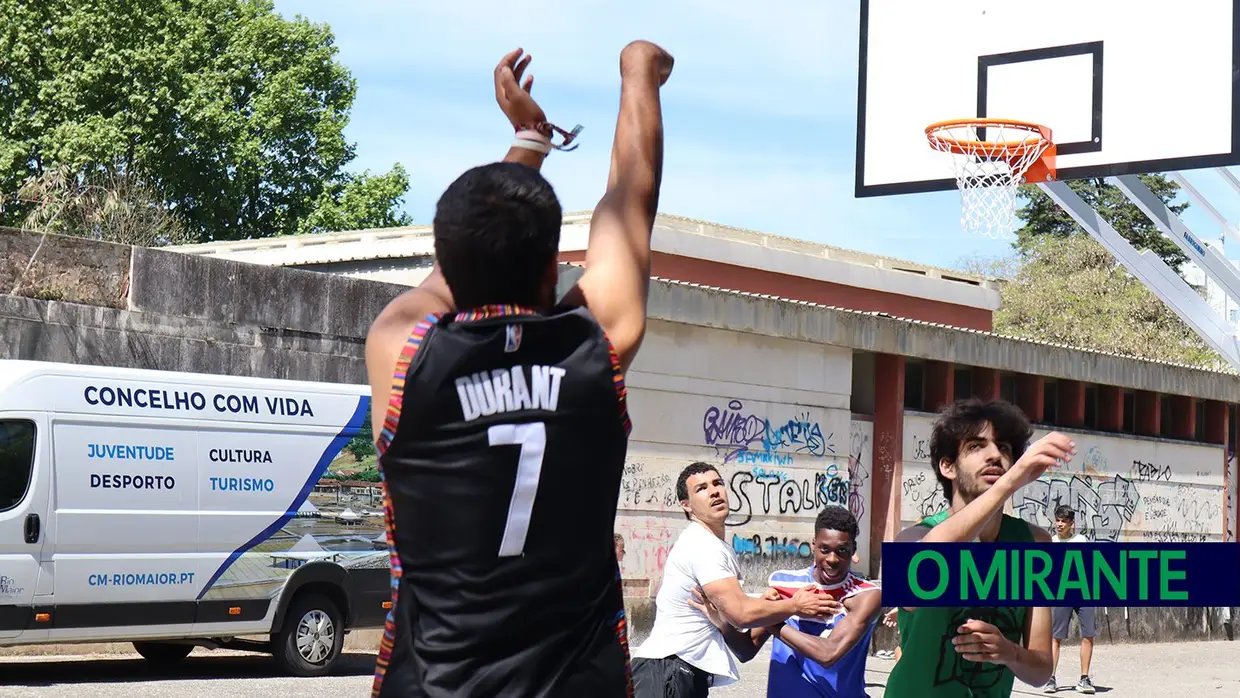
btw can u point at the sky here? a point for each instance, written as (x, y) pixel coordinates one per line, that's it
(759, 114)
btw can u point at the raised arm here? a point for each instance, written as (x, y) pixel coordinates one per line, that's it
(616, 280)
(388, 333)
(744, 611)
(965, 525)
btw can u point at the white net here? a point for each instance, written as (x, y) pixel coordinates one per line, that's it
(989, 164)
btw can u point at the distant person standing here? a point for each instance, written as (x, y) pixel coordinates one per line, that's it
(619, 549)
(1061, 616)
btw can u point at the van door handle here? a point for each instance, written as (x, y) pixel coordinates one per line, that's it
(32, 528)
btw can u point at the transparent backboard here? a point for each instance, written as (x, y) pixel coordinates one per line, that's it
(1126, 87)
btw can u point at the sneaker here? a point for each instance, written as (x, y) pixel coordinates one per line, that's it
(1050, 686)
(1084, 685)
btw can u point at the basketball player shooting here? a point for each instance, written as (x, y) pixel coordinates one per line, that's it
(504, 572)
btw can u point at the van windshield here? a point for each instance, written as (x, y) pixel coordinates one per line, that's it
(16, 461)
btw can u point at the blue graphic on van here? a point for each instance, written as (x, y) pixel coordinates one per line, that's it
(350, 430)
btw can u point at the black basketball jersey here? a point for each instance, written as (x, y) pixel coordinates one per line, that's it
(502, 477)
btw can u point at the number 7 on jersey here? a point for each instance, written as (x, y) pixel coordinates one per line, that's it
(532, 438)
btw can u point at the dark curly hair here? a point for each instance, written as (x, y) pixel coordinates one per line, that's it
(964, 420)
(837, 518)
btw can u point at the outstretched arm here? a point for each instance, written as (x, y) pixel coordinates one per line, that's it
(616, 281)
(744, 611)
(388, 333)
(743, 643)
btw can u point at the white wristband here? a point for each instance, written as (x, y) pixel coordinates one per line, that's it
(531, 145)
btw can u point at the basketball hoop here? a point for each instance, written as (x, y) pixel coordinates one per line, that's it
(990, 159)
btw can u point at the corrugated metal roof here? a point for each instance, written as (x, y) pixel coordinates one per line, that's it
(422, 234)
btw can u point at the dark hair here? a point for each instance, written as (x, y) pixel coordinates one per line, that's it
(837, 518)
(1063, 512)
(682, 480)
(497, 228)
(617, 538)
(964, 420)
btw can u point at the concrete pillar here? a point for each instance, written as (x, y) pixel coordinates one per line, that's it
(1030, 396)
(1216, 422)
(940, 384)
(1071, 403)
(1183, 417)
(888, 454)
(1110, 408)
(1148, 414)
(985, 383)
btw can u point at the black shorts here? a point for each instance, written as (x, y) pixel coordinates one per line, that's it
(669, 677)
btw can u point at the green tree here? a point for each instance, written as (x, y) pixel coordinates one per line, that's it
(1041, 216)
(235, 113)
(360, 202)
(361, 445)
(1069, 290)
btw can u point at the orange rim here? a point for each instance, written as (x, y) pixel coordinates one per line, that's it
(1000, 149)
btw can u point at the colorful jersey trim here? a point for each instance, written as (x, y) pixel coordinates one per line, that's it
(622, 394)
(390, 421)
(487, 312)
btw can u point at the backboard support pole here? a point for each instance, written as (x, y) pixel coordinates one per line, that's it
(1229, 177)
(1208, 258)
(1199, 199)
(1150, 270)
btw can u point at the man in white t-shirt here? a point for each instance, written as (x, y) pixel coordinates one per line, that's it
(686, 654)
(1061, 617)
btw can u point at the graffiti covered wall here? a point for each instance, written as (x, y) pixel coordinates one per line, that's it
(1122, 487)
(771, 414)
(1231, 499)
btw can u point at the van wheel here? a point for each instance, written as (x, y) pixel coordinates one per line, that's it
(163, 653)
(312, 637)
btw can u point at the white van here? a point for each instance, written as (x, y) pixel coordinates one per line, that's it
(180, 509)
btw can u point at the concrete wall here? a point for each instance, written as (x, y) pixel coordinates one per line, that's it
(772, 414)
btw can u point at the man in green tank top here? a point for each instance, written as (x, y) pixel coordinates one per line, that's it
(978, 451)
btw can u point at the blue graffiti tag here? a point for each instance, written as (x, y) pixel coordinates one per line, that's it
(748, 438)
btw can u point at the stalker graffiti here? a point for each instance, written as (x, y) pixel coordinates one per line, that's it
(751, 492)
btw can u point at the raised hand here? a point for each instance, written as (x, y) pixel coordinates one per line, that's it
(512, 95)
(643, 57)
(1040, 456)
